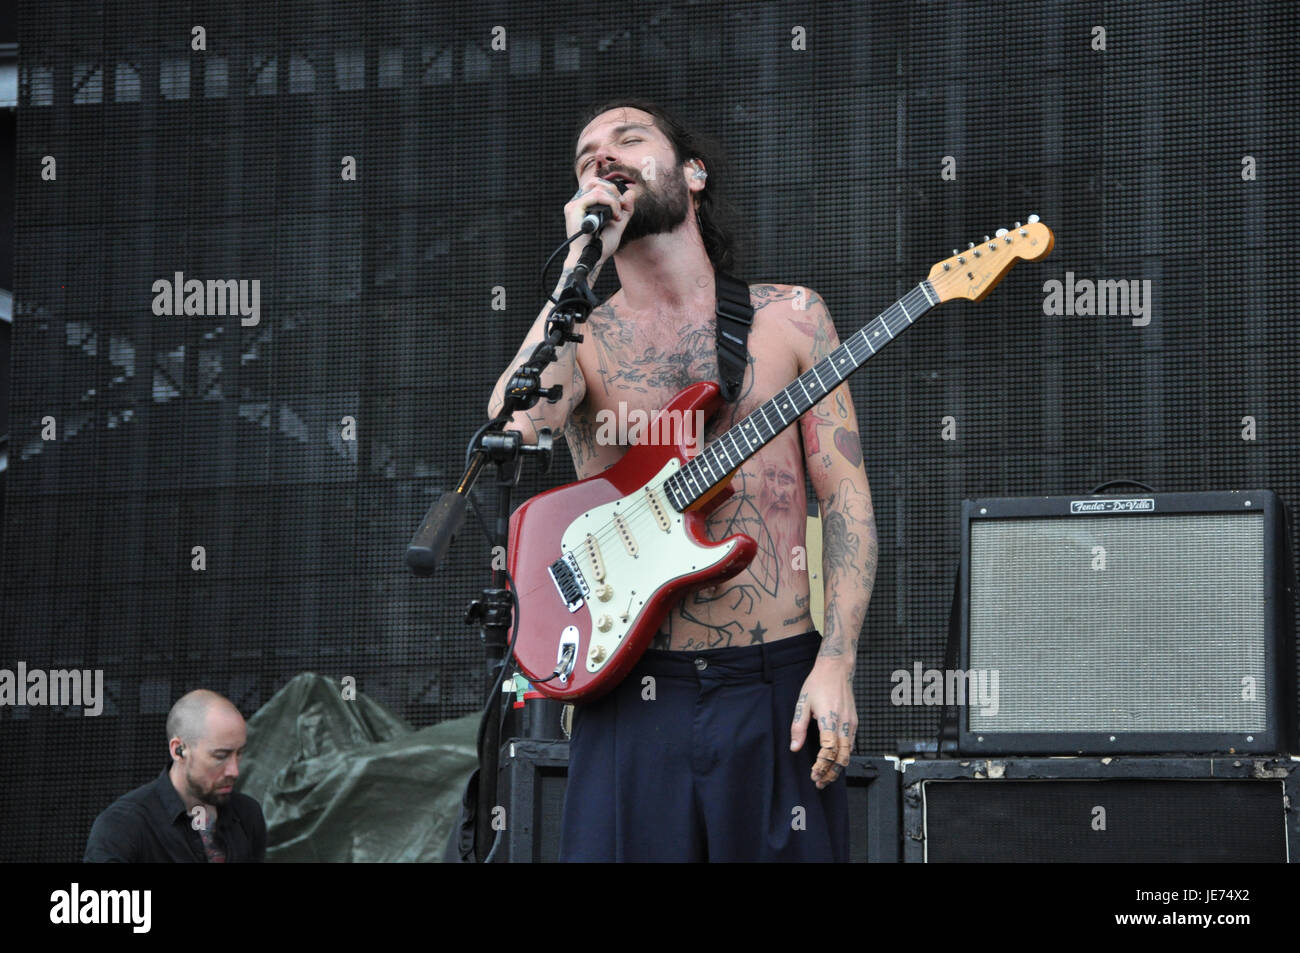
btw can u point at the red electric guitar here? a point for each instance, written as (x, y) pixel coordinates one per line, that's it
(599, 563)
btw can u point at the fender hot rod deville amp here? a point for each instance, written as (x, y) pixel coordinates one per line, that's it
(1147, 623)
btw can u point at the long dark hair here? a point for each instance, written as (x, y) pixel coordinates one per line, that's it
(717, 215)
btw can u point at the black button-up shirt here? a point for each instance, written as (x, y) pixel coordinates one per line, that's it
(151, 825)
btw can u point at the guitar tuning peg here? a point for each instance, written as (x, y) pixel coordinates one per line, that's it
(1000, 232)
(986, 238)
(955, 252)
(1032, 219)
(970, 244)
(1017, 224)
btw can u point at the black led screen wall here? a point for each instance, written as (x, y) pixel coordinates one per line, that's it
(1162, 150)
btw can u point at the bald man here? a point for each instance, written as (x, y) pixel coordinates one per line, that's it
(191, 813)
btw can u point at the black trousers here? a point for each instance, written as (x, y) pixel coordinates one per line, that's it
(689, 759)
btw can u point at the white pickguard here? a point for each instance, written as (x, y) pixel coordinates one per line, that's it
(661, 556)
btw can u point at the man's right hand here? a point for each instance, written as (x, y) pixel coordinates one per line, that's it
(566, 372)
(597, 191)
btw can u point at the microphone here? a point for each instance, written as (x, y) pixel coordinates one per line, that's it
(598, 216)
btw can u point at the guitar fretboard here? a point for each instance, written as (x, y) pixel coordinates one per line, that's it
(721, 457)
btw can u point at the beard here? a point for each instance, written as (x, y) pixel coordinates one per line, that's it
(658, 210)
(207, 795)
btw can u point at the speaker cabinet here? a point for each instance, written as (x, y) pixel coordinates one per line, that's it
(1148, 624)
(1080, 810)
(534, 773)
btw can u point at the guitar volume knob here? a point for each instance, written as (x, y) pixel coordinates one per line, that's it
(604, 623)
(605, 593)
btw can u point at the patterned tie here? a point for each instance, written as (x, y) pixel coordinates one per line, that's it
(215, 854)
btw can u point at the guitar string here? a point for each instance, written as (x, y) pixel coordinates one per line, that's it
(859, 353)
(610, 533)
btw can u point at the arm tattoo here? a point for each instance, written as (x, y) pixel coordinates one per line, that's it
(849, 445)
(839, 543)
(580, 435)
(849, 553)
(809, 427)
(608, 335)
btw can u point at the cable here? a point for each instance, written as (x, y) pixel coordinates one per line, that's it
(547, 267)
(469, 451)
(1109, 483)
(507, 661)
(564, 663)
(494, 694)
(569, 650)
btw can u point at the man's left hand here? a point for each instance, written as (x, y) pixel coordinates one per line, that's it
(827, 696)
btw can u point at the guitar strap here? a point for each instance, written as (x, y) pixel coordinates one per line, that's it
(735, 318)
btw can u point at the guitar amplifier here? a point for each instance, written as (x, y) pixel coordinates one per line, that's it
(534, 773)
(1152, 623)
(1086, 810)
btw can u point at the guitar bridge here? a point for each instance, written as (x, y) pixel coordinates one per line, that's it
(569, 581)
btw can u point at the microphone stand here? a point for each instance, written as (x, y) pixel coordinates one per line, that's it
(492, 443)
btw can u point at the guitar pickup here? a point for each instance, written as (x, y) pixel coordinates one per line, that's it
(594, 557)
(569, 581)
(625, 534)
(657, 508)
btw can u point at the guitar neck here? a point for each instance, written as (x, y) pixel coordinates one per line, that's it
(720, 459)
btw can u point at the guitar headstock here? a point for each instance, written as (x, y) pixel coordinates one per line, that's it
(973, 273)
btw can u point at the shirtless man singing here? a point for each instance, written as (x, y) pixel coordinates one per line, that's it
(710, 762)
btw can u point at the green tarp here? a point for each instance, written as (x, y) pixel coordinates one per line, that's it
(347, 780)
